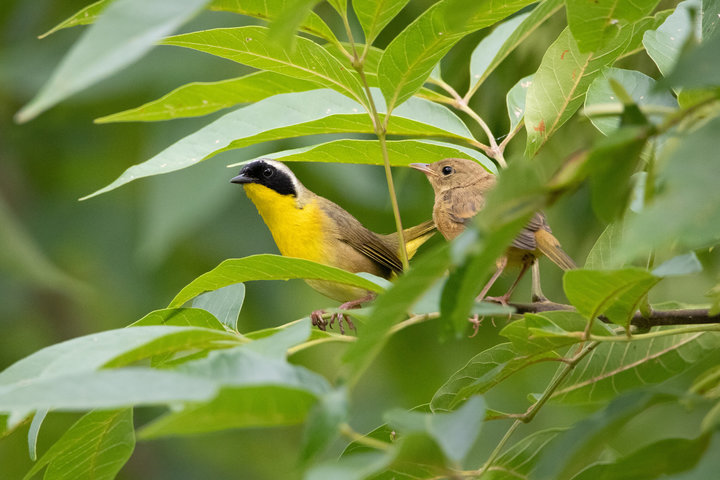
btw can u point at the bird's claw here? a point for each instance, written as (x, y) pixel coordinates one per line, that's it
(475, 321)
(317, 319)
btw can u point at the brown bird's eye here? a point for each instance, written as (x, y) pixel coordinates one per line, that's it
(268, 172)
(447, 170)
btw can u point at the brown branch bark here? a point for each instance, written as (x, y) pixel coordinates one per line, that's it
(690, 316)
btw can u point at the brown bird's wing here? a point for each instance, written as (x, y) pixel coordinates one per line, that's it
(414, 236)
(366, 242)
(526, 238)
(537, 235)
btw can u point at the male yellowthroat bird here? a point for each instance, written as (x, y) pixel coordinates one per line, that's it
(306, 225)
(460, 187)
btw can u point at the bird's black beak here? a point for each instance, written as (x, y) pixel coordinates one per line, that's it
(242, 178)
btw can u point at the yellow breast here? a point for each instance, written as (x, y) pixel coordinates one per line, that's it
(298, 232)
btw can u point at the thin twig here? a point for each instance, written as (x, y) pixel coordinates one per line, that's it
(356, 437)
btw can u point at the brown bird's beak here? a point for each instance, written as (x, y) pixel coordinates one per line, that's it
(242, 179)
(423, 167)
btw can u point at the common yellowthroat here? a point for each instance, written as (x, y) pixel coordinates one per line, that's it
(306, 225)
(460, 187)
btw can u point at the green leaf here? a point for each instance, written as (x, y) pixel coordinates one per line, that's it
(412, 55)
(519, 460)
(484, 55)
(537, 334)
(573, 449)
(656, 460)
(111, 348)
(291, 115)
(105, 389)
(323, 424)
(641, 88)
(697, 68)
(95, 447)
(392, 306)
(484, 371)
(593, 24)
(267, 267)
(685, 212)
(34, 432)
(685, 264)
(180, 317)
(515, 100)
(710, 19)
(563, 78)
(616, 367)
(603, 255)
(611, 164)
(85, 16)
(276, 343)
(401, 153)
(665, 43)
(201, 98)
(224, 303)
(708, 464)
(288, 21)
(374, 15)
(454, 432)
(257, 390)
(266, 10)
(352, 467)
(120, 36)
(615, 293)
(252, 46)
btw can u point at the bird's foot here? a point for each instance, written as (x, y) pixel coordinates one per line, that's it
(475, 321)
(502, 300)
(341, 317)
(318, 321)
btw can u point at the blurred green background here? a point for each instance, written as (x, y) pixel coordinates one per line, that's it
(70, 268)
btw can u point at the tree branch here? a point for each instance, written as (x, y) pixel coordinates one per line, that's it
(688, 316)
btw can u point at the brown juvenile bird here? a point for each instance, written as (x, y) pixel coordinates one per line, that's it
(305, 225)
(460, 187)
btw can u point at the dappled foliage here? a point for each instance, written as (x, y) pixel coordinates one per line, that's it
(613, 113)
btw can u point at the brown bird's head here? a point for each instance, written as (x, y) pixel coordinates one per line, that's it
(455, 172)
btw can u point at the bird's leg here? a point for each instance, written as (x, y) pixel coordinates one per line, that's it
(340, 317)
(501, 263)
(537, 294)
(504, 299)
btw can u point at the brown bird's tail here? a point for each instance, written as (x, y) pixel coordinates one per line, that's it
(415, 236)
(550, 247)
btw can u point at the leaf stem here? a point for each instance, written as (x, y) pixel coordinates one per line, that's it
(349, 432)
(533, 410)
(656, 334)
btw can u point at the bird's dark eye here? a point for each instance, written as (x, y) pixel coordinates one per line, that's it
(447, 170)
(268, 172)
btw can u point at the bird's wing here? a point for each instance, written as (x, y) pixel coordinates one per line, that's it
(366, 242)
(526, 238)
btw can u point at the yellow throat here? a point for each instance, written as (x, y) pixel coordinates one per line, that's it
(297, 231)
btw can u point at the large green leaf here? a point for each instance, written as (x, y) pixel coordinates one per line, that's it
(291, 115)
(401, 153)
(656, 460)
(374, 15)
(412, 55)
(324, 421)
(697, 68)
(616, 367)
(603, 255)
(252, 46)
(180, 317)
(105, 389)
(664, 43)
(494, 48)
(392, 306)
(267, 267)
(352, 467)
(594, 23)
(95, 447)
(126, 31)
(202, 98)
(112, 348)
(638, 85)
(485, 370)
(685, 212)
(268, 10)
(564, 76)
(615, 293)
